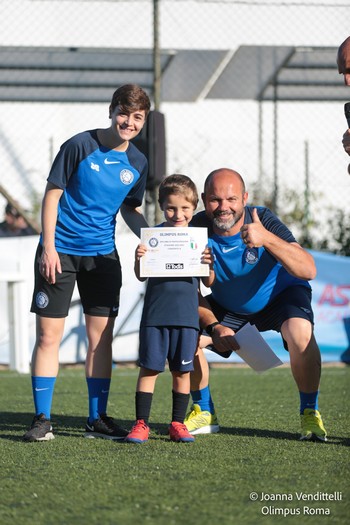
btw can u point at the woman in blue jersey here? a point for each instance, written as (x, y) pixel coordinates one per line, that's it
(95, 174)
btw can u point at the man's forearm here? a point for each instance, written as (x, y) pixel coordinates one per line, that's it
(297, 261)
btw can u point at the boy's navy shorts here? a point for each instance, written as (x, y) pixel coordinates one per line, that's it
(98, 278)
(178, 345)
(294, 301)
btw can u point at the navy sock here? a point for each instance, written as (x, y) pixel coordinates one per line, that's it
(98, 389)
(203, 399)
(43, 388)
(308, 400)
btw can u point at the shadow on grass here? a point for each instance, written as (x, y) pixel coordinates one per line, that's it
(278, 434)
(73, 426)
(162, 430)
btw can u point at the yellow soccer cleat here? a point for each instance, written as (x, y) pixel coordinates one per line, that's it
(312, 426)
(201, 422)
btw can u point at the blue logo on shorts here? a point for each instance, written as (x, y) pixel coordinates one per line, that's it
(41, 300)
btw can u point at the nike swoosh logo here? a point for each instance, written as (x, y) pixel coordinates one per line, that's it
(305, 309)
(106, 161)
(40, 389)
(115, 308)
(104, 391)
(226, 250)
(186, 362)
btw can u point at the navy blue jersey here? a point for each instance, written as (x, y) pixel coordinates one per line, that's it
(247, 279)
(171, 301)
(95, 181)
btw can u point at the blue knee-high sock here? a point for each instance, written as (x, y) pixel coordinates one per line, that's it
(98, 389)
(203, 399)
(308, 400)
(43, 388)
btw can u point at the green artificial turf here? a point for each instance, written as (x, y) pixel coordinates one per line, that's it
(215, 480)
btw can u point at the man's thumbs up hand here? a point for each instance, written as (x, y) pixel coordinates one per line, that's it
(253, 233)
(255, 216)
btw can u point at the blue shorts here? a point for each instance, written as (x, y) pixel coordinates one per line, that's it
(294, 301)
(178, 345)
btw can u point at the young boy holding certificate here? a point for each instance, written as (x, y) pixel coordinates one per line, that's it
(169, 324)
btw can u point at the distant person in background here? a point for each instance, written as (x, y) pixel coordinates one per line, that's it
(14, 224)
(95, 174)
(343, 61)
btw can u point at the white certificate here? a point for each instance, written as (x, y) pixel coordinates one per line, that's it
(174, 252)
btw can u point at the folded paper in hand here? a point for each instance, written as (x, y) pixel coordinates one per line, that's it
(254, 350)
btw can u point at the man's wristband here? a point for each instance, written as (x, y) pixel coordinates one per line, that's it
(209, 329)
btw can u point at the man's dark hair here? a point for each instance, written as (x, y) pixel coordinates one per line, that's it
(11, 210)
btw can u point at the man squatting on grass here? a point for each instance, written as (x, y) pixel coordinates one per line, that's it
(261, 277)
(95, 174)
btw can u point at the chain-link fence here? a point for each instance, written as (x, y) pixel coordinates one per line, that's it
(251, 85)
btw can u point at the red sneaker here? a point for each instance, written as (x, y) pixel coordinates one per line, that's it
(179, 432)
(139, 432)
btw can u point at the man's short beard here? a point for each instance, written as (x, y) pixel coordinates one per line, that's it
(226, 225)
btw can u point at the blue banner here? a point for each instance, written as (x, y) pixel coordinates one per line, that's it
(331, 306)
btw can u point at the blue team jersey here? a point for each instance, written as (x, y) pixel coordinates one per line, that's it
(171, 302)
(95, 181)
(247, 279)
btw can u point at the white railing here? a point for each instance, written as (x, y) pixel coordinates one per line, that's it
(17, 294)
(17, 327)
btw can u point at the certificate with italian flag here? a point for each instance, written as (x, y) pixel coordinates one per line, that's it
(174, 252)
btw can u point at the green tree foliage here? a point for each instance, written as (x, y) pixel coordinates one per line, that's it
(330, 235)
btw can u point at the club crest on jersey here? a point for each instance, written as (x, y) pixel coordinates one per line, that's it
(126, 176)
(41, 300)
(251, 255)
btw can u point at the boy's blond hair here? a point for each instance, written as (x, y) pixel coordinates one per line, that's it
(178, 185)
